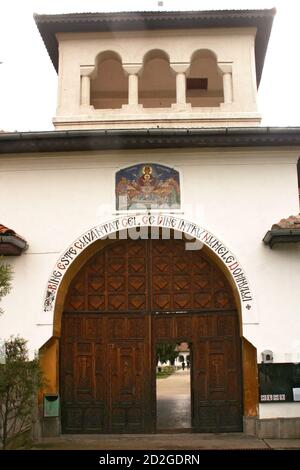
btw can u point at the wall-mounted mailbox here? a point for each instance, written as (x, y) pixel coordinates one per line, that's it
(51, 406)
(267, 356)
(296, 393)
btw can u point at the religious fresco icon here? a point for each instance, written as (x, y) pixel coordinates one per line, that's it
(147, 186)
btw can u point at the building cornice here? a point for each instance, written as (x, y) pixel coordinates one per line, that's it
(112, 139)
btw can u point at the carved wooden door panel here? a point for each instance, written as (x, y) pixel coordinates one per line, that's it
(129, 389)
(107, 356)
(129, 373)
(82, 374)
(105, 374)
(185, 280)
(216, 374)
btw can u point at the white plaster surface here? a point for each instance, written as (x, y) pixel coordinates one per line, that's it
(237, 194)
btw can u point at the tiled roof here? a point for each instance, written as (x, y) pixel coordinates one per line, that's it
(285, 231)
(292, 222)
(5, 231)
(11, 244)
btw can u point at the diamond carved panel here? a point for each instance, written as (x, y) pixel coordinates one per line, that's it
(76, 302)
(137, 284)
(136, 265)
(96, 302)
(181, 264)
(159, 247)
(201, 281)
(149, 275)
(203, 300)
(116, 283)
(162, 302)
(182, 301)
(117, 302)
(137, 302)
(222, 299)
(96, 283)
(200, 265)
(161, 283)
(161, 264)
(136, 248)
(181, 283)
(116, 265)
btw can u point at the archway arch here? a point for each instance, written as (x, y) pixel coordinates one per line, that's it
(129, 296)
(157, 83)
(51, 348)
(204, 80)
(100, 245)
(103, 233)
(109, 83)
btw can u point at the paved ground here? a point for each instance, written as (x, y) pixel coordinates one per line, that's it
(167, 418)
(174, 401)
(184, 441)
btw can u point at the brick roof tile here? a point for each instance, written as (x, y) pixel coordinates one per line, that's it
(5, 231)
(292, 222)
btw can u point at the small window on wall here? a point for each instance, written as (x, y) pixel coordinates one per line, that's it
(196, 83)
(204, 84)
(147, 186)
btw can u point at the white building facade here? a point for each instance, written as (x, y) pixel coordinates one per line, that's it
(157, 144)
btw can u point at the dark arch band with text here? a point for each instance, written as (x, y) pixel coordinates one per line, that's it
(166, 221)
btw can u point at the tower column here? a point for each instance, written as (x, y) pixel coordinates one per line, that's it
(181, 71)
(85, 91)
(133, 87)
(227, 87)
(226, 68)
(180, 88)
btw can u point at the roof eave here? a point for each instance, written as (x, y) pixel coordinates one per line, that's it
(48, 25)
(11, 245)
(281, 236)
(121, 139)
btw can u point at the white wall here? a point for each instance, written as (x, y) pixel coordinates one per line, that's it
(236, 194)
(279, 410)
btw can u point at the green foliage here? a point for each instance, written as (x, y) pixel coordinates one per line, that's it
(165, 372)
(166, 352)
(5, 280)
(20, 380)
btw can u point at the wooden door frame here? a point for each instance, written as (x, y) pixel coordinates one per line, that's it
(171, 339)
(49, 351)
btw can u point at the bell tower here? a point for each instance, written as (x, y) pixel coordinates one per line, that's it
(157, 69)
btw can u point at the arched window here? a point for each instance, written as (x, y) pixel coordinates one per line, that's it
(157, 83)
(147, 186)
(204, 85)
(109, 87)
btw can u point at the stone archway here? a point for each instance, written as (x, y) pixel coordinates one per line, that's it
(50, 354)
(129, 295)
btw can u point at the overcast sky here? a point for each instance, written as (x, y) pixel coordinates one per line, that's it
(28, 81)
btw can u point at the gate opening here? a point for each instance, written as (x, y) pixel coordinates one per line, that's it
(173, 386)
(127, 298)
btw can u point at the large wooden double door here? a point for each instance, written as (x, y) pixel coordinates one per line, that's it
(128, 297)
